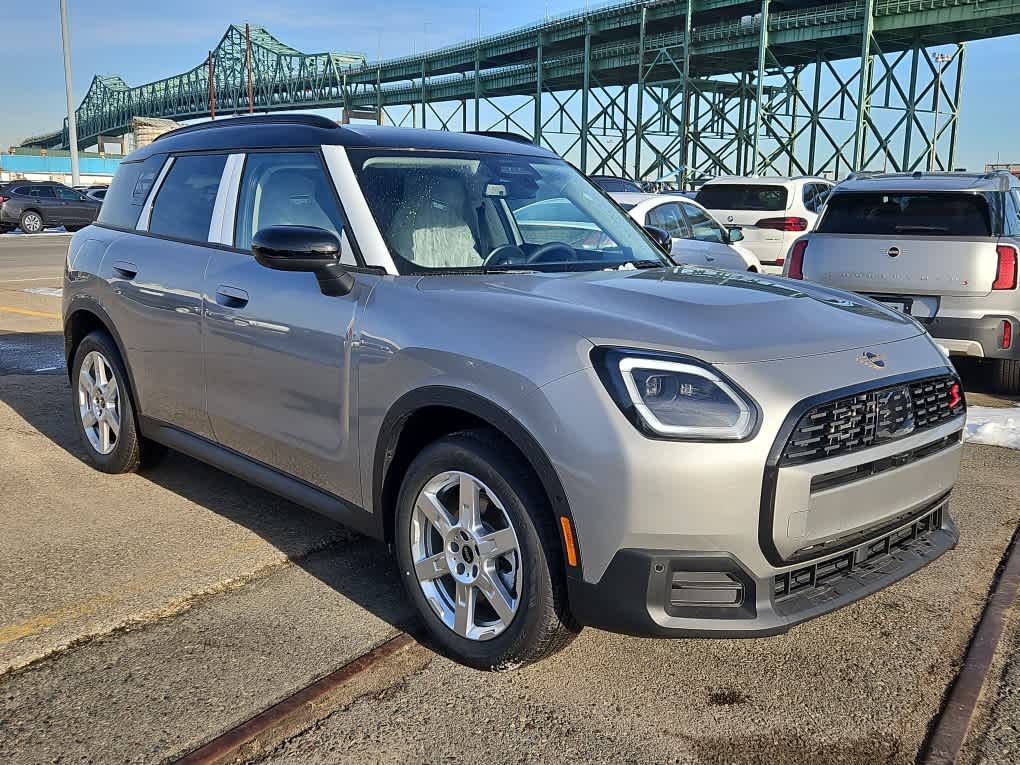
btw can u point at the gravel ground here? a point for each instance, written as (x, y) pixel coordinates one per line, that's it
(997, 738)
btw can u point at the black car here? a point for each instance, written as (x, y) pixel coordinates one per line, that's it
(615, 184)
(35, 205)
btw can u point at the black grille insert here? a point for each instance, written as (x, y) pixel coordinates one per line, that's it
(856, 422)
(861, 560)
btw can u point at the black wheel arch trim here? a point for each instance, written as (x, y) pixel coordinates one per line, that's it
(499, 419)
(90, 305)
(770, 478)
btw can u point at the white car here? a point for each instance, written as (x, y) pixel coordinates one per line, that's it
(698, 238)
(770, 212)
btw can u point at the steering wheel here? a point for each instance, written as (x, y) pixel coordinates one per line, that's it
(541, 255)
(505, 255)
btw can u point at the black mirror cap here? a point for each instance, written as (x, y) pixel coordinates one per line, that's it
(304, 248)
(661, 237)
(295, 248)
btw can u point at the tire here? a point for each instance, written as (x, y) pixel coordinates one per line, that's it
(528, 581)
(113, 448)
(1006, 376)
(31, 222)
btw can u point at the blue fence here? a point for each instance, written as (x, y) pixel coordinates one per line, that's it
(34, 163)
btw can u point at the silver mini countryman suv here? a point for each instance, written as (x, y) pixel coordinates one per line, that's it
(550, 423)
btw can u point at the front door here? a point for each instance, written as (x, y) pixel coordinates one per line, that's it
(710, 239)
(75, 209)
(667, 216)
(280, 382)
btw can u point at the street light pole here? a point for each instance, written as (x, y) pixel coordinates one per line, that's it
(72, 125)
(933, 157)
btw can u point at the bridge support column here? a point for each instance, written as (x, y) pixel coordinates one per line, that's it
(639, 125)
(585, 93)
(864, 90)
(685, 112)
(759, 86)
(536, 135)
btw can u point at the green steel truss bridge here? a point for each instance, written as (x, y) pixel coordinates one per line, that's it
(646, 88)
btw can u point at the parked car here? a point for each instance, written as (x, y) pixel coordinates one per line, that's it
(35, 205)
(97, 194)
(612, 183)
(547, 436)
(696, 238)
(771, 212)
(942, 247)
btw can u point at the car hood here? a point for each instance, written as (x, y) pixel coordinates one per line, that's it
(718, 316)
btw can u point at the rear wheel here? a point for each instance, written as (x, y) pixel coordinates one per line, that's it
(103, 408)
(31, 222)
(1006, 376)
(479, 554)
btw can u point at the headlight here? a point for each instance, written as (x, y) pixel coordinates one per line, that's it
(675, 397)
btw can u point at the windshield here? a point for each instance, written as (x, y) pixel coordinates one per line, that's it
(734, 196)
(456, 211)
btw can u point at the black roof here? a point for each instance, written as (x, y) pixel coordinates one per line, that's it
(289, 130)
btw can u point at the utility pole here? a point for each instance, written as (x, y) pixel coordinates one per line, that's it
(212, 88)
(72, 123)
(247, 52)
(933, 156)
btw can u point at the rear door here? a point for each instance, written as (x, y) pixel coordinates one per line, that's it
(903, 246)
(157, 277)
(744, 206)
(44, 198)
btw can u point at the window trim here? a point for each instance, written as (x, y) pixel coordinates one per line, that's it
(723, 231)
(142, 224)
(680, 216)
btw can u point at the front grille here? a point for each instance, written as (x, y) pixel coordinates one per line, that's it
(818, 580)
(864, 419)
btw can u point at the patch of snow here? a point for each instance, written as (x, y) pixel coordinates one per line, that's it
(992, 425)
(48, 291)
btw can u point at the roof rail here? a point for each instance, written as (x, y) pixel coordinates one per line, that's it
(505, 135)
(863, 174)
(312, 120)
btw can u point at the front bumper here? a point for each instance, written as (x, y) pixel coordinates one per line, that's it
(981, 338)
(639, 593)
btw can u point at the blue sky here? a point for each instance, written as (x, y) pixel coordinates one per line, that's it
(143, 44)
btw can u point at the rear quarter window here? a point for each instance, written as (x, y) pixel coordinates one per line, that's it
(122, 203)
(735, 196)
(913, 214)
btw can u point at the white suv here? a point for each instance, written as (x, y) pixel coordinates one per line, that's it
(771, 212)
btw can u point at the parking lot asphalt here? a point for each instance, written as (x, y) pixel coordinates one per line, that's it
(141, 615)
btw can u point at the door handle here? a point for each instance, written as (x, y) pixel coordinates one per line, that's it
(231, 297)
(124, 269)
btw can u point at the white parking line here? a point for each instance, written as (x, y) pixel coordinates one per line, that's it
(31, 279)
(48, 291)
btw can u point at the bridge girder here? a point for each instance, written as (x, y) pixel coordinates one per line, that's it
(638, 88)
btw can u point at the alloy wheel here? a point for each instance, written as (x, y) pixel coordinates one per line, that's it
(99, 402)
(466, 555)
(32, 223)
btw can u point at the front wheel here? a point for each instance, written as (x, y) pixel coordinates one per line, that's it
(31, 222)
(479, 554)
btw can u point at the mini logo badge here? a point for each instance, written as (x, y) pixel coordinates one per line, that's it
(894, 252)
(872, 359)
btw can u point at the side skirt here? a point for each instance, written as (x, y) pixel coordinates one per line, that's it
(265, 477)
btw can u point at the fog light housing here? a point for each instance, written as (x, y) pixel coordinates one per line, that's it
(705, 588)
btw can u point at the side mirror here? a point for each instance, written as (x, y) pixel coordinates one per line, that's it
(735, 235)
(304, 248)
(661, 237)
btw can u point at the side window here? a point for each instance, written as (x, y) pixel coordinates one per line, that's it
(69, 194)
(1012, 222)
(184, 203)
(705, 229)
(824, 190)
(41, 192)
(668, 217)
(810, 197)
(131, 185)
(286, 188)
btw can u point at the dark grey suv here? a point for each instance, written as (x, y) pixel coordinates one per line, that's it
(550, 423)
(35, 205)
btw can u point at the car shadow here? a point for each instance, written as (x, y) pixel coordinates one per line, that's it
(357, 567)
